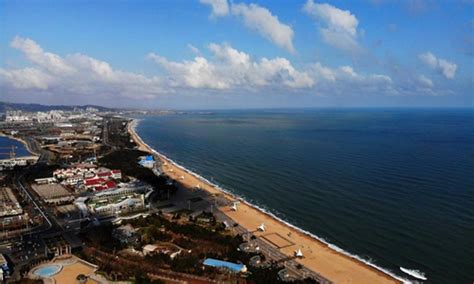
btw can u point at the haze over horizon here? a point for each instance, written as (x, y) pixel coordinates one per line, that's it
(213, 54)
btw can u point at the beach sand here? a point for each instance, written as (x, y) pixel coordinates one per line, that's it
(331, 264)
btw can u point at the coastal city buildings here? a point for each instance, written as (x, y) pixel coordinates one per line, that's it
(11, 163)
(4, 268)
(19, 116)
(147, 161)
(9, 205)
(12, 215)
(91, 186)
(53, 193)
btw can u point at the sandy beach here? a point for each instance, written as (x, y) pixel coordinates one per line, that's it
(318, 256)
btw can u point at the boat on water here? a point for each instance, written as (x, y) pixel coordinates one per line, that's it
(415, 273)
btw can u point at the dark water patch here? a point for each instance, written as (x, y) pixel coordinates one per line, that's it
(5, 148)
(394, 186)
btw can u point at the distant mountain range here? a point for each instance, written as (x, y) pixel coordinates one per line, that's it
(4, 106)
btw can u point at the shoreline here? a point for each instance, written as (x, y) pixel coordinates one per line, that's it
(322, 257)
(25, 144)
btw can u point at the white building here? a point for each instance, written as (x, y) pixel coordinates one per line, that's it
(46, 180)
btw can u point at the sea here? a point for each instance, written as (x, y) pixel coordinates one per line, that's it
(5, 148)
(392, 187)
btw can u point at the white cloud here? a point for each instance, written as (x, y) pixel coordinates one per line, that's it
(345, 81)
(347, 73)
(219, 7)
(194, 49)
(27, 78)
(265, 23)
(429, 59)
(52, 62)
(228, 54)
(448, 69)
(323, 72)
(425, 81)
(230, 68)
(257, 18)
(75, 74)
(226, 70)
(337, 27)
(333, 17)
(198, 73)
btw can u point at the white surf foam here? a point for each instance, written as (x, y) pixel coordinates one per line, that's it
(415, 273)
(332, 246)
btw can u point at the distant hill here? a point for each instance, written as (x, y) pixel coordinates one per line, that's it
(4, 106)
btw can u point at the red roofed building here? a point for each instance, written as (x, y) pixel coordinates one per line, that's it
(99, 184)
(111, 184)
(100, 188)
(104, 174)
(93, 182)
(116, 174)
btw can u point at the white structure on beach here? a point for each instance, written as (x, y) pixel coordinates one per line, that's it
(299, 253)
(261, 228)
(234, 206)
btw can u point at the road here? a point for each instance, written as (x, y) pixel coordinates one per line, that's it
(28, 245)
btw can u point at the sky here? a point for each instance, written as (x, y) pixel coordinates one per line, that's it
(213, 54)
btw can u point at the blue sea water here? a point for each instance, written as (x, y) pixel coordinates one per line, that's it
(5, 148)
(393, 186)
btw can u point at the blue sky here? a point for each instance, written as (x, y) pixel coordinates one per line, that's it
(239, 54)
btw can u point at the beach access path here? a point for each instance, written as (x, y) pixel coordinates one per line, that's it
(318, 256)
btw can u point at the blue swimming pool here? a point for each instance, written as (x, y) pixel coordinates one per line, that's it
(47, 271)
(224, 264)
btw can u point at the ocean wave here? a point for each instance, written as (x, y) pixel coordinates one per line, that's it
(267, 212)
(415, 273)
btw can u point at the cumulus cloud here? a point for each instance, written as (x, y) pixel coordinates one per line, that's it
(27, 78)
(228, 68)
(348, 74)
(198, 73)
(425, 81)
(448, 69)
(231, 68)
(346, 81)
(257, 18)
(75, 73)
(51, 62)
(219, 7)
(225, 70)
(337, 27)
(429, 59)
(323, 72)
(265, 23)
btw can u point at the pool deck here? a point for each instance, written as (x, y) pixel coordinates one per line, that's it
(71, 266)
